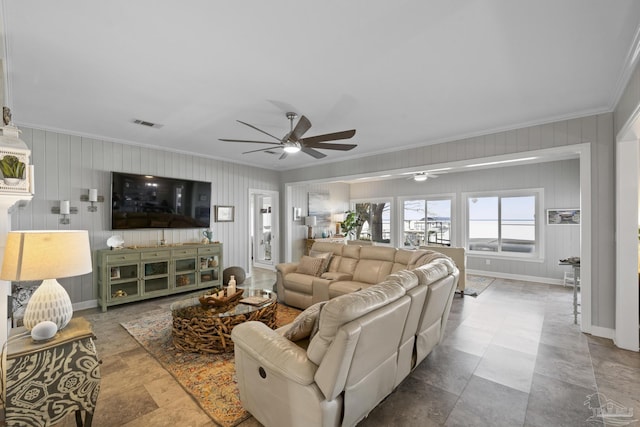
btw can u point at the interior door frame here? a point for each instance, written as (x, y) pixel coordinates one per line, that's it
(275, 226)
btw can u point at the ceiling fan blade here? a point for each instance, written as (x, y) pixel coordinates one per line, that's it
(259, 130)
(248, 141)
(345, 134)
(260, 149)
(283, 156)
(325, 146)
(313, 153)
(303, 125)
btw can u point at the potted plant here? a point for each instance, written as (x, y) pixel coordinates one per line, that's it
(351, 222)
(12, 169)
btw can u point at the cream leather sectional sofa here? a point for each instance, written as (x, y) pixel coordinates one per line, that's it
(350, 269)
(366, 343)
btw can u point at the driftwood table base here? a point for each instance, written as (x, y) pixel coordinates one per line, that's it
(208, 330)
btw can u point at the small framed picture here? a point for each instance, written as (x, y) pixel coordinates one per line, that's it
(224, 213)
(115, 272)
(570, 216)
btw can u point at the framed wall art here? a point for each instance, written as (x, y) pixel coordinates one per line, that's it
(224, 213)
(320, 208)
(570, 216)
(297, 214)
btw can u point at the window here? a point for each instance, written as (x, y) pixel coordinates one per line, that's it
(426, 222)
(377, 221)
(504, 223)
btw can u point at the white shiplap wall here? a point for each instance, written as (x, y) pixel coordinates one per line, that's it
(559, 179)
(67, 166)
(597, 130)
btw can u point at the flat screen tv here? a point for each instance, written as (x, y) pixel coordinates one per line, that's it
(145, 201)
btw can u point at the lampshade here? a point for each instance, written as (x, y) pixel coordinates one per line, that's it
(310, 221)
(338, 217)
(47, 255)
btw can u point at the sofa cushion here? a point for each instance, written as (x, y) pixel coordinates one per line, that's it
(349, 259)
(345, 287)
(310, 265)
(305, 324)
(297, 282)
(343, 309)
(371, 270)
(433, 271)
(326, 257)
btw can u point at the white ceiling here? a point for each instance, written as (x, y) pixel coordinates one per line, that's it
(402, 73)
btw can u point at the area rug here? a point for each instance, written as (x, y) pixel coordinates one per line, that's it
(475, 285)
(210, 379)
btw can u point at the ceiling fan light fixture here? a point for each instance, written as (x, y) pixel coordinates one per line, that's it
(291, 147)
(420, 177)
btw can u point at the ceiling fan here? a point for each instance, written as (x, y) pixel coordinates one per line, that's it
(293, 141)
(421, 176)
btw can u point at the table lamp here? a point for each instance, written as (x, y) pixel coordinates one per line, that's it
(47, 255)
(310, 221)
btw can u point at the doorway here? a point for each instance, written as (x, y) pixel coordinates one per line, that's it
(264, 221)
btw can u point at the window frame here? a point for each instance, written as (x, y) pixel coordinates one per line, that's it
(537, 255)
(427, 198)
(392, 214)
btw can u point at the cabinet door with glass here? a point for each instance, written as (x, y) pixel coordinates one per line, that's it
(155, 269)
(185, 266)
(123, 282)
(210, 261)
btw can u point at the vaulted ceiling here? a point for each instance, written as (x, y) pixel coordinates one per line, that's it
(402, 73)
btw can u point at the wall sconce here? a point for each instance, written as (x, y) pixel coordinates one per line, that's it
(92, 198)
(65, 210)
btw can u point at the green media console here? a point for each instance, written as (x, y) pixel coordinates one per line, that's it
(135, 274)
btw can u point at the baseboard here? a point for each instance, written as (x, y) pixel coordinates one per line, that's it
(85, 305)
(601, 332)
(522, 277)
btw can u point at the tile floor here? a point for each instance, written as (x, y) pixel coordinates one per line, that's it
(511, 357)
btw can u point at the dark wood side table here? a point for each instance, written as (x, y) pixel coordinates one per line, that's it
(47, 381)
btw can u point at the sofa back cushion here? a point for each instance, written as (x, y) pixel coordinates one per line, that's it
(375, 264)
(348, 260)
(345, 308)
(404, 258)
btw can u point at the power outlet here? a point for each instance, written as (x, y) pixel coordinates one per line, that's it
(487, 261)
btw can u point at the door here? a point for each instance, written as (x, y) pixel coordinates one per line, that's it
(264, 227)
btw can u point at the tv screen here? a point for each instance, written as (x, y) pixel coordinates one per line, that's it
(145, 201)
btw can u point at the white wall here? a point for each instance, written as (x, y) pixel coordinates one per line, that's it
(67, 166)
(560, 181)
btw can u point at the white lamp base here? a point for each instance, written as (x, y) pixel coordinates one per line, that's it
(49, 302)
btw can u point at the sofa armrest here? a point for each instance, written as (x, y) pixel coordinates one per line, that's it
(281, 271)
(287, 267)
(274, 351)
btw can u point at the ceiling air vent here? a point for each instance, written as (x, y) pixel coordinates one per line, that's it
(146, 123)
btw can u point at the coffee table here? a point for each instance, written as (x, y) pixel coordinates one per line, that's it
(201, 329)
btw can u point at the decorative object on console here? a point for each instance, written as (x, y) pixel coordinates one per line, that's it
(338, 219)
(310, 221)
(47, 255)
(116, 242)
(93, 198)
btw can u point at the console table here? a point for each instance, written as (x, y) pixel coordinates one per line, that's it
(46, 381)
(134, 274)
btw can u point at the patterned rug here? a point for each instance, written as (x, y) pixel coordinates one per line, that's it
(210, 379)
(475, 285)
